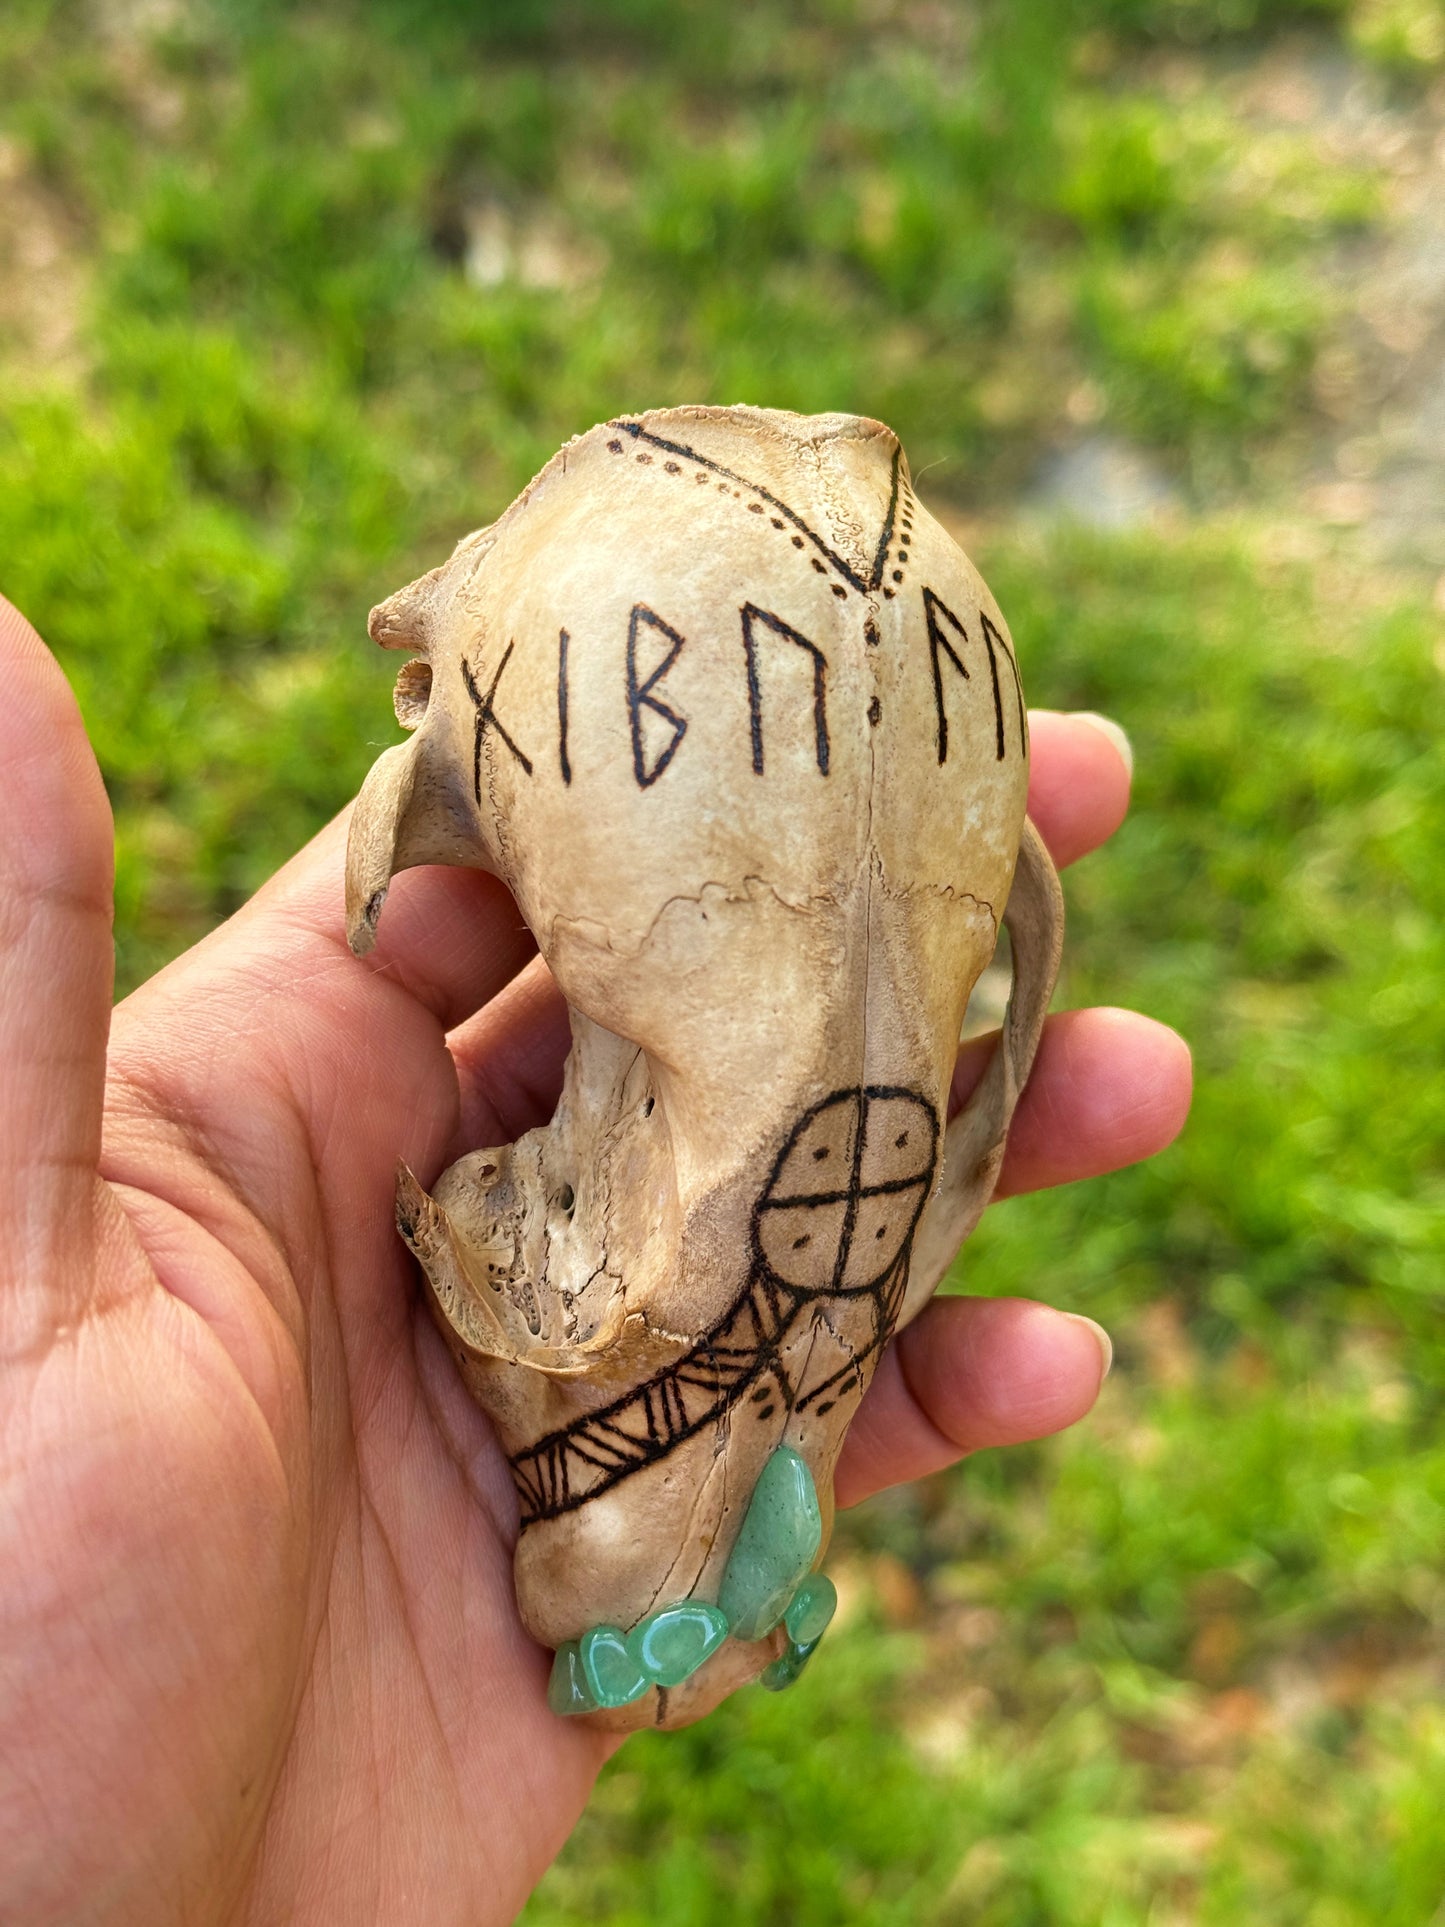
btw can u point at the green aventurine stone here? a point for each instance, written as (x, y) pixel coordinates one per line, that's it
(814, 1604)
(785, 1669)
(775, 1549)
(567, 1689)
(670, 1645)
(613, 1676)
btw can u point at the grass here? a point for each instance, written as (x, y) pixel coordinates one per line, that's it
(293, 394)
(1183, 1664)
(340, 276)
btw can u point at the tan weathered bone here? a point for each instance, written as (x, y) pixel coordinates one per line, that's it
(741, 728)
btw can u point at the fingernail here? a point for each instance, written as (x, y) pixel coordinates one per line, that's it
(1113, 731)
(1101, 1339)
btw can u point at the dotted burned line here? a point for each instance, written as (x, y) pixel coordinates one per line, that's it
(702, 477)
(899, 556)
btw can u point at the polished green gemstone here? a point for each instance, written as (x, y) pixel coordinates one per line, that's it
(567, 1689)
(612, 1675)
(786, 1668)
(814, 1604)
(670, 1645)
(776, 1548)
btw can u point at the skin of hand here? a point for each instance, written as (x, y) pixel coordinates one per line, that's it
(259, 1656)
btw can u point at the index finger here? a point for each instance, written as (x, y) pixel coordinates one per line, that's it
(1080, 770)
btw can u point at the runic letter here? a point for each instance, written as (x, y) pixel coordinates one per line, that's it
(938, 612)
(990, 637)
(752, 616)
(934, 608)
(640, 696)
(486, 714)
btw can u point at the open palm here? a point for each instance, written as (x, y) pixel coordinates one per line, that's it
(259, 1656)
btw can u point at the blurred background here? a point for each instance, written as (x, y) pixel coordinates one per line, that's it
(1154, 292)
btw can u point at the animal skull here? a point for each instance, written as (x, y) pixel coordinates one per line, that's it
(741, 728)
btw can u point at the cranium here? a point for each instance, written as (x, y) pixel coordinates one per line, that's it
(741, 728)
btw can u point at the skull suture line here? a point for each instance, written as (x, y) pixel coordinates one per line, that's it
(741, 728)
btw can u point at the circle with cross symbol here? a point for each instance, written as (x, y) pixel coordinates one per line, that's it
(847, 1191)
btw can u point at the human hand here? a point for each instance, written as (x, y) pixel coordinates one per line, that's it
(259, 1655)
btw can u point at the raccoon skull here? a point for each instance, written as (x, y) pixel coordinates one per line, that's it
(742, 730)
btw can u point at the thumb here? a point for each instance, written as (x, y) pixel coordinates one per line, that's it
(56, 966)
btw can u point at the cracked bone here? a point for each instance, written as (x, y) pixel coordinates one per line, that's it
(741, 728)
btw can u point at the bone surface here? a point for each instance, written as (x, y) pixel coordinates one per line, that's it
(741, 728)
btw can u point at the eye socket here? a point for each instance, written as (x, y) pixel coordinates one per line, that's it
(412, 693)
(567, 1199)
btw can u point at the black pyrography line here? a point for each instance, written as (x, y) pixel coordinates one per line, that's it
(640, 696)
(486, 714)
(938, 640)
(934, 606)
(844, 568)
(741, 1348)
(562, 640)
(886, 1306)
(992, 636)
(997, 698)
(850, 1207)
(881, 557)
(885, 1189)
(752, 613)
